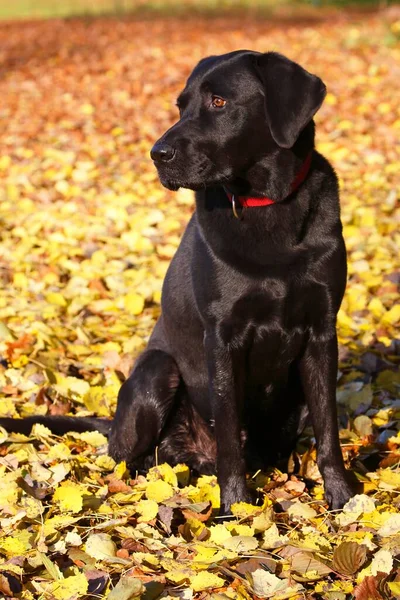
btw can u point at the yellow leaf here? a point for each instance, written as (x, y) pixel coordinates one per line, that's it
(382, 417)
(59, 452)
(52, 568)
(392, 316)
(71, 386)
(219, 533)
(120, 470)
(42, 433)
(299, 510)
(147, 509)
(330, 99)
(376, 308)
(18, 544)
(389, 479)
(208, 490)
(267, 585)
(272, 538)
(145, 557)
(21, 281)
(93, 438)
(240, 529)
(354, 508)
(69, 497)
(164, 472)
(385, 340)
(33, 507)
(99, 399)
(177, 576)
(159, 491)
(5, 162)
(56, 298)
(127, 588)
(54, 524)
(204, 553)
(7, 408)
(195, 527)
(133, 303)
(243, 509)
(104, 462)
(207, 556)
(166, 250)
(205, 580)
(391, 526)
(100, 546)
(183, 474)
(346, 325)
(75, 586)
(382, 562)
(263, 521)
(394, 587)
(241, 543)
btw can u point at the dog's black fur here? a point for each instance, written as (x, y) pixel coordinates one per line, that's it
(246, 346)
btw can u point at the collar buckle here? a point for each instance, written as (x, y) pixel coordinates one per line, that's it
(234, 210)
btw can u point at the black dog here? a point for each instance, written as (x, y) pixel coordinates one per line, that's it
(246, 346)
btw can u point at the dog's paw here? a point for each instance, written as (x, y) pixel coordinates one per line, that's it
(120, 453)
(338, 493)
(232, 495)
(117, 451)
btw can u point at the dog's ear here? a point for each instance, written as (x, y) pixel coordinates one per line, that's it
(292, 96)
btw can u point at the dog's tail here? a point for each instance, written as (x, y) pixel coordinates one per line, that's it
(57, 424)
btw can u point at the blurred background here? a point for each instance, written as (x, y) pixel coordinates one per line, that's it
(67, 8)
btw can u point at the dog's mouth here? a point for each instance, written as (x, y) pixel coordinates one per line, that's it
(173, 179)
(171, 184)
(195, 178)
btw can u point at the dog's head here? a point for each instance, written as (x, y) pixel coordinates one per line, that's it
(235, 110)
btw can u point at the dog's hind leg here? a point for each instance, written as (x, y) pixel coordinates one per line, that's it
(144, 403)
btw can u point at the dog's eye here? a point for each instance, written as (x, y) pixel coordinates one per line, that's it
(218, 102)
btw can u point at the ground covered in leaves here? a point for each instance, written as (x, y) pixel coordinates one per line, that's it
(87, 233)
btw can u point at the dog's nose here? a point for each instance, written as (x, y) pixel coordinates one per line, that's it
(162, 152)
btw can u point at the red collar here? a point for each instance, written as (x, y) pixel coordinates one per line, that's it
(246, 201)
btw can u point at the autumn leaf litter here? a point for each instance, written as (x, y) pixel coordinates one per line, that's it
(87, 234)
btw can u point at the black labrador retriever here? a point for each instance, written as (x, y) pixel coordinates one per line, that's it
(246, 348)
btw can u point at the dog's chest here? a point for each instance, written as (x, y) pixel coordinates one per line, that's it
(257, 310)
(270, 322)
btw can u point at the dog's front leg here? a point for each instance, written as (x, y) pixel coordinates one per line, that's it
(226, 395)
(318, 371)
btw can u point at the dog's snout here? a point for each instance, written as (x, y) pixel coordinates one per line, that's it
(162, 152)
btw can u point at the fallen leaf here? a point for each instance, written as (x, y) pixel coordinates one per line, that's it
(100, 546)
(368, 590)
(349, 557)
(205, 580)
(159, 491)
(240, 543)
(127, 588)
(382, 562)
(267, 585)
